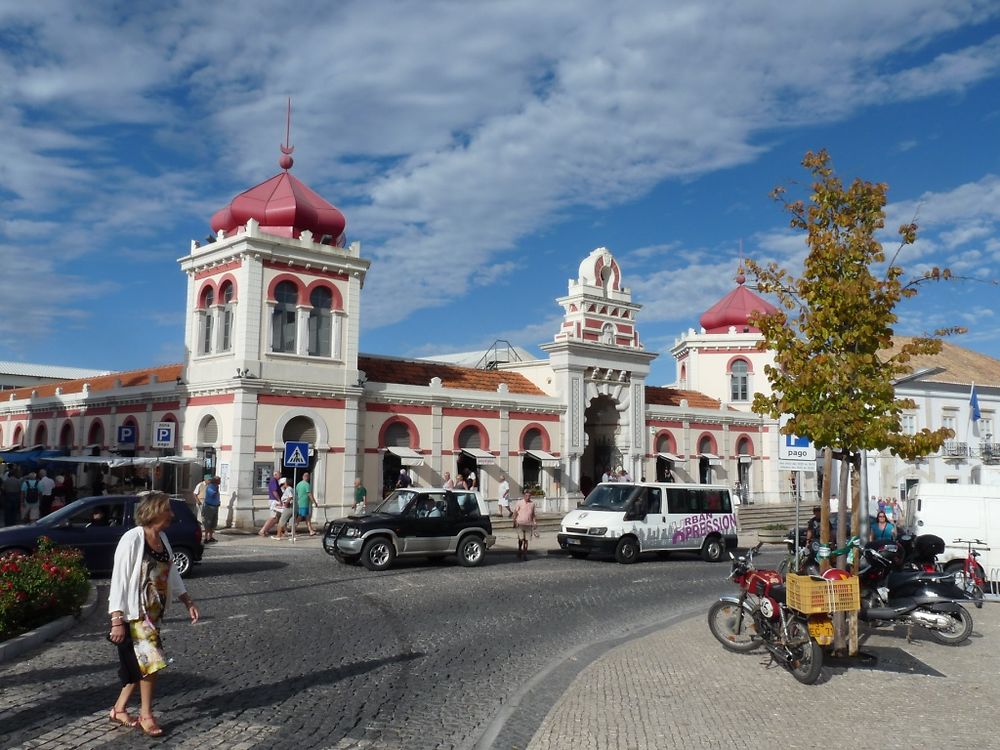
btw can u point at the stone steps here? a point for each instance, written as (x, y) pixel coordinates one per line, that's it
(754, 517)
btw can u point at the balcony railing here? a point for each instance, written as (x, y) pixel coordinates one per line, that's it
(953, 449)
(989, 452)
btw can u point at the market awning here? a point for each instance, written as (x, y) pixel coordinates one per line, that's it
(482, 457)
(713, 460)
(116, 461)
(408, 456)
(669, 457)
(546, 459)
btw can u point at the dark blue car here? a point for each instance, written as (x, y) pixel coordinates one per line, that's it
(95, 524)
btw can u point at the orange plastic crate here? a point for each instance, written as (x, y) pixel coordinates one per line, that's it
(809, 595)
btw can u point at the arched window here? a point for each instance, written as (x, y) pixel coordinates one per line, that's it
(205, 340)
(226, 298)
(744, 447)
(208, 432)
(739, 381)
(41, 435)
(397, 435)
(286, 296)
(299, 430)
(18, 435)
(684, 376)
(470, 437)
(533, 440)
(96, 434)
(66, 436)
(320, 322)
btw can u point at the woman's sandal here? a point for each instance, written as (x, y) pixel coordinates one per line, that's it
(122, 717)
(153, 730)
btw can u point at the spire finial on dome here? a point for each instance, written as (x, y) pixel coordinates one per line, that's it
(286, 161)
(740, 278)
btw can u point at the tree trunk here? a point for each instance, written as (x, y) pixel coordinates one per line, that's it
(824, 508)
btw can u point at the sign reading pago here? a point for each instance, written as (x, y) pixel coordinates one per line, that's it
(795, 453)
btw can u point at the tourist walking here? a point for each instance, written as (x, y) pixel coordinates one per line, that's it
(143, 581)
(360, 497)
(525, 523)
(45, 487)
(503, 497)
(29, 498)
(11, 488)
(287, 512)
(210, 509)
(306, 502)
(273, 503)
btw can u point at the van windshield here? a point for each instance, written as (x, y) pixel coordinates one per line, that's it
(610, 496)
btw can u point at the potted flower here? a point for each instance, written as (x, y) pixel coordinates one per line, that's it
(772, 533)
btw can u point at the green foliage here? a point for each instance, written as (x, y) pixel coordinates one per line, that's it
(38, 588)
(831, 337)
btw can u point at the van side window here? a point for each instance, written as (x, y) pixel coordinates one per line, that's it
(678, 499)
(653, 500)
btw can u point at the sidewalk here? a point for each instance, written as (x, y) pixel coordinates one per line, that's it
(678, 688)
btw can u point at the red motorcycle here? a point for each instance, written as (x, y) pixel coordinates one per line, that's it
(760, 616)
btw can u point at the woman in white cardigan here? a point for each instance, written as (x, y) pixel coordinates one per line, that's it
(142, 582)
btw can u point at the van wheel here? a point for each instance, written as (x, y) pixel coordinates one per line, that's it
(713, 549)
(627, 550)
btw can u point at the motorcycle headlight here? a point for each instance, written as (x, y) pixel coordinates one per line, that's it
(351, 531)
(598, 531)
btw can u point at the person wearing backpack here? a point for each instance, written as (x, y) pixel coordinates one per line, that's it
(29, 497)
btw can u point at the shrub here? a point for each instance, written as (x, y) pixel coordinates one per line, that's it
(38, 588)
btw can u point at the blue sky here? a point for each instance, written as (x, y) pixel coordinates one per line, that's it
(480, 151)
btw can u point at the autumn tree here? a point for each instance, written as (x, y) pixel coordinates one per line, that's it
(834, 374)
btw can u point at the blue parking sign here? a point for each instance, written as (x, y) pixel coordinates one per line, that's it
(126, 434)
(296, 455)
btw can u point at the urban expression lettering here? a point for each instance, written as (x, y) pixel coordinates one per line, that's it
(697, 526)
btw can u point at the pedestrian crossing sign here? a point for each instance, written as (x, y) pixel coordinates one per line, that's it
(296, 455)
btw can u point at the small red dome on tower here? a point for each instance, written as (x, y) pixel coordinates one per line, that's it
(734, 310)
(284, 206)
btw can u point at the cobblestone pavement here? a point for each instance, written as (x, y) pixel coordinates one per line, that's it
(298, 651)
(678, 688)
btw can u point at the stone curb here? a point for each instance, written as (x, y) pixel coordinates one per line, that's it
(14, 647)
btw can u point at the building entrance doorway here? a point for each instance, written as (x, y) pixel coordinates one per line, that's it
(602, 453)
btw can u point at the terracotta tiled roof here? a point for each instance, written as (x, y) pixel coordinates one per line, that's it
(132, 378)
(658, 396)
(957, 364)
(411, 372)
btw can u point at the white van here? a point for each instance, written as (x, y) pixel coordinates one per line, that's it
(958, 511)
(625, 519)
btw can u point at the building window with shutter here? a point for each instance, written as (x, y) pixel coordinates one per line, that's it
(205, 345)
(320, 322)
(739, 381)
(226, 298)
(283, 324)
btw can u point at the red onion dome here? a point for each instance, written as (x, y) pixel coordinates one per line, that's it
(734, 310)
(284, 206)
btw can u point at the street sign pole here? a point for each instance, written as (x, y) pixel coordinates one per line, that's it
(295, 501)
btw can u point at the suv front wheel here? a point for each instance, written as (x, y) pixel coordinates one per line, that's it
(378, 553)
(471, 551)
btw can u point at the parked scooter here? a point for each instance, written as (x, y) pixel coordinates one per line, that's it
(759, 616)
(928, 600)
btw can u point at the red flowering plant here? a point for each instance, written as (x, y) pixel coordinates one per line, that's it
(41, 587)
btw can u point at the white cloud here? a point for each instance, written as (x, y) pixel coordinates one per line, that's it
(456, 130)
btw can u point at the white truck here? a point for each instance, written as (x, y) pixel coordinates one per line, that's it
(958, 511)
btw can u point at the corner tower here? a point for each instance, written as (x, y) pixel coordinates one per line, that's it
(722, 360)
(275, 295)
